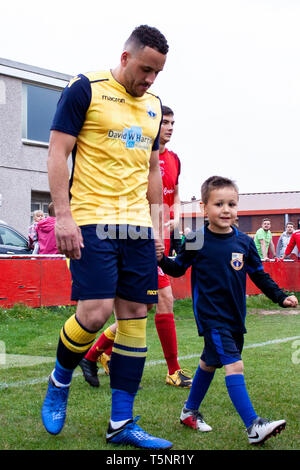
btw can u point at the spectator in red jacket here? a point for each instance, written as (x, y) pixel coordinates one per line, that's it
(294, 241)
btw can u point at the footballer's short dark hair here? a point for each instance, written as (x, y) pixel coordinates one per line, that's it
(145, 35)
(216, 182)
(166, 111)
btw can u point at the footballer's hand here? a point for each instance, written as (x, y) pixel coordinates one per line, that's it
(159, 248)
(69, 239)
(291, 301)
(170, 225)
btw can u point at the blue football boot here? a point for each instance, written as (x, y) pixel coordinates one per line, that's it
(54, 408)
(132, 434)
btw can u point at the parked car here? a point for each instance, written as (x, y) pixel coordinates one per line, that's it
(12, 242)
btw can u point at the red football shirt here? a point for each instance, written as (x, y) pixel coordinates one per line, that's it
(170, 170)
(294, 240)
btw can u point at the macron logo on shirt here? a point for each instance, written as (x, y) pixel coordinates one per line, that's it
(113, 98)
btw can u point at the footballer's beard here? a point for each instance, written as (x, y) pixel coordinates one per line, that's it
(136, 89)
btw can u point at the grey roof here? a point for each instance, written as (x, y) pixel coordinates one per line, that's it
(270, 201)
(36, 70)
(257, 201)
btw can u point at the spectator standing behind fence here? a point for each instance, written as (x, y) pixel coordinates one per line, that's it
(294, 241)
(284, 241)
(263, 240)
(46, 233)
(32, 233)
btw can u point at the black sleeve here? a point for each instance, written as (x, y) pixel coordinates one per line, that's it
(169, 266)
(269, 287)
(186, 256)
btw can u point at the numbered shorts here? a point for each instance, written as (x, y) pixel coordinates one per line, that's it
(122, 264)
(222, 347)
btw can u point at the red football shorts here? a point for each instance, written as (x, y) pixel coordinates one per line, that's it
(163, 279)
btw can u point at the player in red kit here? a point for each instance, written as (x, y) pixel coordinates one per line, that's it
(294, 241)
(164, 317)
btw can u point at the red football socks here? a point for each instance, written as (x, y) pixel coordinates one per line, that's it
(103, 344)
(165, 326)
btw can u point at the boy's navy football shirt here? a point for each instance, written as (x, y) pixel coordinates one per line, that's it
(218, 277)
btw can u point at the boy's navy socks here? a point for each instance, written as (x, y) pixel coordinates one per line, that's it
(200, 385)
(239, 396)
(61, 375)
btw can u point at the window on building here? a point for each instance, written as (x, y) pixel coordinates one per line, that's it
(245, 223)
(39, 202)
(39, 105)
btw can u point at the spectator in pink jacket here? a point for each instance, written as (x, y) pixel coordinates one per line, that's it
(32, 234)
(46, 233)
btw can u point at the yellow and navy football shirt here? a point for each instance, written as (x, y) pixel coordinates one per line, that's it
(116, 134)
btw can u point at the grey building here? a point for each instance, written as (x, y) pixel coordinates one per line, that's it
(28, 99)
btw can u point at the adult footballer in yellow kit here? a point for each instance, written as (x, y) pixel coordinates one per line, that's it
(111, 159)
(110, 122)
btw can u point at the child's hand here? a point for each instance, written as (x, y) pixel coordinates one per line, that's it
(159, 248)
(290, 301)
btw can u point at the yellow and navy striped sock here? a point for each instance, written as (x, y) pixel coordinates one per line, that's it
(75, 340)
(128, 355)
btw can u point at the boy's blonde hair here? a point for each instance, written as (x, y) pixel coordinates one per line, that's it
(215, 182)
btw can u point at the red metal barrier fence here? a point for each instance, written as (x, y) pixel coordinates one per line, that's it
(286, 274)
(46, 280)
(36, 282)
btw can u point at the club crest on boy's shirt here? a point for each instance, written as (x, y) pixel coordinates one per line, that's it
(237, 261)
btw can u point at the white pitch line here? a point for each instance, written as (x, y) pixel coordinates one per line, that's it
(272, 341)
(20, 360)
(22, 383)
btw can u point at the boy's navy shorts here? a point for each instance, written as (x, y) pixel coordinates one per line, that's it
(116, 261)
(222, 347)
